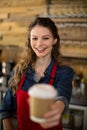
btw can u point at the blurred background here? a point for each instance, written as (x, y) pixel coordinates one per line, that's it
(70, 17)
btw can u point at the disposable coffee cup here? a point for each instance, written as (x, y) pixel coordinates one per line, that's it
(41, 98)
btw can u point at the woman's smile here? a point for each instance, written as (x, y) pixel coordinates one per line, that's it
(40, 50)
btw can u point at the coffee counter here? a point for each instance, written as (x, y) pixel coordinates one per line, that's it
(77, 115)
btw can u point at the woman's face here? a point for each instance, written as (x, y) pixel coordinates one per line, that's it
(42, 41)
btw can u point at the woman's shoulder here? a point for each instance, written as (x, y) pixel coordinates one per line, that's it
(64, 73)
(64, 68)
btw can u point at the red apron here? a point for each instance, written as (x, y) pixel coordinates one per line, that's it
(24, 122)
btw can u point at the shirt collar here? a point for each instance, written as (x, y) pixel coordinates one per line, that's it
(31, 71)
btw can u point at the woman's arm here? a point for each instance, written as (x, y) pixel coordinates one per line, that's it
(8, 124)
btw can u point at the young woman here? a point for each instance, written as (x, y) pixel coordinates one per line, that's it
(39, 64)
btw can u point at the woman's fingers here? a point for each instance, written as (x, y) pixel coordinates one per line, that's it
(50, 113)
(49, 125)
(53, 116)
(52, 119)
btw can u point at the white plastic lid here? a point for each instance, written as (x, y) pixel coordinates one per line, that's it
(42, 91)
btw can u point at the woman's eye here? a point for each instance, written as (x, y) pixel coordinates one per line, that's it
(34, 38)
(46, 38)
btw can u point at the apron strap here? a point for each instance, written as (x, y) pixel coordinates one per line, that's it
(22, 81)
(53, 73)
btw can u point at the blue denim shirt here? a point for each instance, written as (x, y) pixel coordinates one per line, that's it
(62, 82)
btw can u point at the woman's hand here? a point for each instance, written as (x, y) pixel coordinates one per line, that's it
(53, 116)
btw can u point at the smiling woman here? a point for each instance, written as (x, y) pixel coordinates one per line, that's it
(39, 63)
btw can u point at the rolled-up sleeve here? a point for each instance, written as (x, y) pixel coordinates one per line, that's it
(64, 85)
(8, 106)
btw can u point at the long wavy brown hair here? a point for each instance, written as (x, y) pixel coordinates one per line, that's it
(28, 56)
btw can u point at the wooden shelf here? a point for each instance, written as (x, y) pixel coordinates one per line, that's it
(75, 59)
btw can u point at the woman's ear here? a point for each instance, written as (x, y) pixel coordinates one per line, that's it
(55, 40)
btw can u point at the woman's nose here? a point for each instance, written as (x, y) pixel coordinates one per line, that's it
(39, 42)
